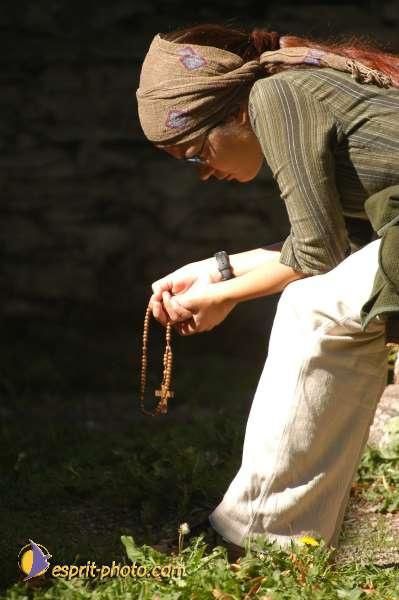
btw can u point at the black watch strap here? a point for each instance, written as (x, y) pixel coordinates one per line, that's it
(224, 266)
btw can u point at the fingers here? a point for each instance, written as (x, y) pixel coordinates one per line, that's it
(158, 310)
(166, 283)
(186, 327)
(173, 284)
(174, 310)
(166, 310)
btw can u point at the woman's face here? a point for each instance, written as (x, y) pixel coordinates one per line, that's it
(231, 150)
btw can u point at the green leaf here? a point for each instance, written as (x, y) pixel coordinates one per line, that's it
(353, 594)
(134, 553)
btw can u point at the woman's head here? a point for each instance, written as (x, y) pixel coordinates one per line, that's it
(229, 150)
(195, 83)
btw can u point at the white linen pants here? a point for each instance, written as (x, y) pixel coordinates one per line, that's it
(312, 410)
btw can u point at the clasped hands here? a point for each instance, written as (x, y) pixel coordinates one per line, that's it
(190, 299)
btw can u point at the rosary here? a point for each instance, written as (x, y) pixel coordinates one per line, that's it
(226, 271)
(164, 393)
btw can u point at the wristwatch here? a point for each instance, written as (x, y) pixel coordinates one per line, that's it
(224, 266)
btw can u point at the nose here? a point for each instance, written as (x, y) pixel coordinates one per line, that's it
(204, 175)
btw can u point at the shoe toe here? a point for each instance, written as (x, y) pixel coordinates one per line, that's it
(210, 536)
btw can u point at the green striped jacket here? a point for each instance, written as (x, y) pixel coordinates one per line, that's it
(331, 143)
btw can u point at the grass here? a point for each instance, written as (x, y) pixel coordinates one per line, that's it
(378, 480)
(103, 494)
(77, 491)
(266, 573)
(91, 495)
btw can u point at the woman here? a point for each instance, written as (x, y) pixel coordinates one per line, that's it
(325, 118)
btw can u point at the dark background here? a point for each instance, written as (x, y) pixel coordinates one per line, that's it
(92, 213)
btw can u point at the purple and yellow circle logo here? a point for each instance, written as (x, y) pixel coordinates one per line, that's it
(33, 560)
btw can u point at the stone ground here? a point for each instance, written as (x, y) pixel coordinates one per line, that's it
(368, 536)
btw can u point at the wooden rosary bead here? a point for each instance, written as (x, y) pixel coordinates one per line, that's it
(164, 393)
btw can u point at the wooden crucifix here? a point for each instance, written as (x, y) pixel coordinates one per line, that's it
(164, 394)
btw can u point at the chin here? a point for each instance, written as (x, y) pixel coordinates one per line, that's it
(245, 178)
(253, 170)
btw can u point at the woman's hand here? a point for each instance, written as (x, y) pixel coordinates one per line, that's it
(178, 282)
(203, 302)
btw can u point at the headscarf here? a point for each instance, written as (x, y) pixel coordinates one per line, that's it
(185, 89)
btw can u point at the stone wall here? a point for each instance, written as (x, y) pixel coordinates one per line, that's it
(91, 213)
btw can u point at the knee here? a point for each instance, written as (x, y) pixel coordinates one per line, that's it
(317, 305)
(302, 301)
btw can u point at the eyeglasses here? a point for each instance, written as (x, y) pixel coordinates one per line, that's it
(198, 159)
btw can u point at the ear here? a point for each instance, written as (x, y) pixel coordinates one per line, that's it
(242, 114)
(239, 114)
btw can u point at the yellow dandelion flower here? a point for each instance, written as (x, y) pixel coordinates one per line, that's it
(309, 540)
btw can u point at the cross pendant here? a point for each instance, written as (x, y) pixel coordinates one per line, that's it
(163, 394)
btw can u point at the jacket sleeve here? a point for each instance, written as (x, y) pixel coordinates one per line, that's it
(297, 134)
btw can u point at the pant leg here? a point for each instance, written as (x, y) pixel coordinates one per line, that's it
(312, 409)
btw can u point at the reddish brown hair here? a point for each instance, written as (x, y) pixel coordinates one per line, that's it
(250, 44)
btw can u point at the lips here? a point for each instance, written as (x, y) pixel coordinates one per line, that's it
(228, 177)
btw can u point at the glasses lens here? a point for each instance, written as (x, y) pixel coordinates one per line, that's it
(196, 160)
